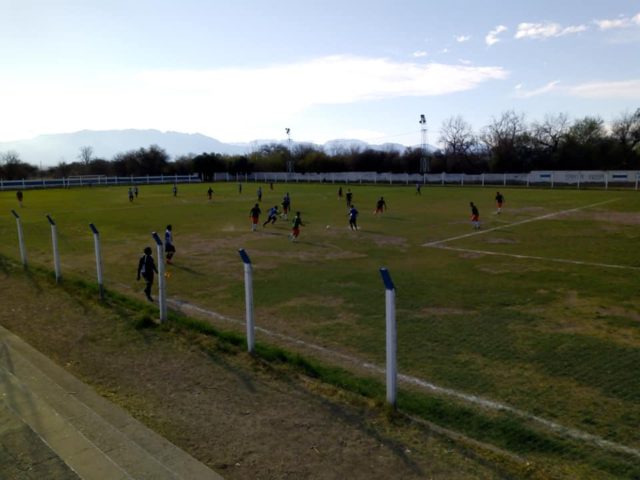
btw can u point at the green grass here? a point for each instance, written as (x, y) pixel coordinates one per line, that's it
(556, 339)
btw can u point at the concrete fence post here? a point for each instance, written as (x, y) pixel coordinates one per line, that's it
(56, 252)
(248, 296)
(162, 289)
(392, 337)
(96, 244)
(23, 250)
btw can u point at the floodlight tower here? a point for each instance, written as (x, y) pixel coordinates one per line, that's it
(290, 161)
(424, 162)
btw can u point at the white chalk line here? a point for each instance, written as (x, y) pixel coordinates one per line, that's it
(521, 222)
(474, 399)
(533, 257)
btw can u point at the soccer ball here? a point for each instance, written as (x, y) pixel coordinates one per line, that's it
(328, 226)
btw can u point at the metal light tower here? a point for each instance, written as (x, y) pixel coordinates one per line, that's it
(290, 161)
(424, 162)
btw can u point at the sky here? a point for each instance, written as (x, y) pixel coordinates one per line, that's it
(245, 70)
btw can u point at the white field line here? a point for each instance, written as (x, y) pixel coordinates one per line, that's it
(532, 257)
(474, 399)
(528, 220)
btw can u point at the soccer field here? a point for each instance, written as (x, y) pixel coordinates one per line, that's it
(538, 310)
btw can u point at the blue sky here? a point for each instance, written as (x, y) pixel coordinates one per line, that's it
(245, 70)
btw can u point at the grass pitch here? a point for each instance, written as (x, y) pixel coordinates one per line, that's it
(538, 310)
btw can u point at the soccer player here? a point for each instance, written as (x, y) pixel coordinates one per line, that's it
(418, 189)
(19, 197)
(295, 229)
(135, 191)
(175, 190)
(475, 216)
(272, 216)
(146, 267)
(499, 202)
(259, 193)
(169, 247)
(340, 193)
(239, 188)
(381, 206)
(130, 194)
(349, 197)
(286, 205)
(353, 218)
(254, 213)
(210, 193)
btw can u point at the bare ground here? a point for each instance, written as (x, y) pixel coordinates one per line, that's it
(243, 417)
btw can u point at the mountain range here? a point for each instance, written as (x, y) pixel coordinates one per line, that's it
(48, 150)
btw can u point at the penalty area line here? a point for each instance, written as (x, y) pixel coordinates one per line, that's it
(533, 257)
(521, 222)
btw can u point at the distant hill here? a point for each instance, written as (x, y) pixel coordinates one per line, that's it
(65, 147)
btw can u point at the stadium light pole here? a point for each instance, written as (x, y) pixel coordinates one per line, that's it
(96, 243)
(23, 250)
(290, 161)
(162, 292)
(392, 337)
(424, 163)
(56, 252)
(248, 296)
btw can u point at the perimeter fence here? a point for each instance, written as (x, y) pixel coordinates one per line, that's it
(545, 179)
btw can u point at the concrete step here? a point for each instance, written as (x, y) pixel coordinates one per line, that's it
(94, 437)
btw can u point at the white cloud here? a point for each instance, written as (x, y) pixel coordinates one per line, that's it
(444, 50)
(228, 102)
(620, 22)
(625, 89)
(522, 93)
(546, 30)
(492, 36)
(419, 53)
(464, 61)
(462, 38)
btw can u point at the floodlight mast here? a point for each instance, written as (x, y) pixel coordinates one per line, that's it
(290, 161)
(424, 162)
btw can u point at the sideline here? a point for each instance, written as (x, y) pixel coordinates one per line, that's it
(570, 432)
(521, 222)
(532, 257)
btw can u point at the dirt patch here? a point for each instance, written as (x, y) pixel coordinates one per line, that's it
(500, 240)
(443, 311)
(388, 240)
(617, 218)
(528, 210)
(239, 415)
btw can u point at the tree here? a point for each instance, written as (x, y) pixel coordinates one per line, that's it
(549, 133)
(626, 129)
(507, 139)
(86, 155)
(459, 145)
(13, 168)
(457, 137)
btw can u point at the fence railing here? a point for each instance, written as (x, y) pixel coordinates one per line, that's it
(91, 180)
(587, 178)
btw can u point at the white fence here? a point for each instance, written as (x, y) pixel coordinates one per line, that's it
(578, 179)
(587, 178)
(91, 180)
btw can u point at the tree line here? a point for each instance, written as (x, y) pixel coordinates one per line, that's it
(507, 144)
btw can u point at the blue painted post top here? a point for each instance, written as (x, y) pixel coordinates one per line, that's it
(15, 214)
(243, 255)
(93, 228)
(386, 278)
(50, 220)
(156, 238)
